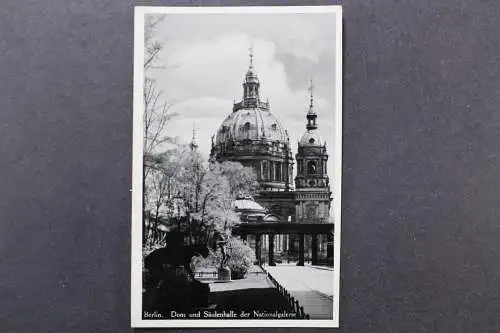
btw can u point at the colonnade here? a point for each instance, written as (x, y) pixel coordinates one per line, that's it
(272, 171)
(283, 245)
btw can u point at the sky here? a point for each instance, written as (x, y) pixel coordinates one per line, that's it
(205, 58)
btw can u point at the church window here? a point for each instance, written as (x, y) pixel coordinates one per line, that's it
(264, 170)
(256, 170)
(311, 167)
(310, 211)
(273, 126)
(311, 140)
(278, 171)
(247, 125)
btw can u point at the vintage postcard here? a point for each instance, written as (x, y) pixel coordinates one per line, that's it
(237, 167)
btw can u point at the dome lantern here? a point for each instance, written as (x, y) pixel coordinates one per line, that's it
(251, 85)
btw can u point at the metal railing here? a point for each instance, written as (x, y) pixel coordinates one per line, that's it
(213, 274)
(202, 275)
(294, 303)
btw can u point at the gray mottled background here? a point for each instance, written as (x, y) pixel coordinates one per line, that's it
(421, 185)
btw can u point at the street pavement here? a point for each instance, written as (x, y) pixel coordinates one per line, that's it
(311, 286)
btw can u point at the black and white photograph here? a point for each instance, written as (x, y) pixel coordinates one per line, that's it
(234, 166)
(236, 195)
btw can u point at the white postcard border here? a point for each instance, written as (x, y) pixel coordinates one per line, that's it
(137, 169)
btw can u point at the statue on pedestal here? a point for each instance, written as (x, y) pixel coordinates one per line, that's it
(169, 282)
(223, 272)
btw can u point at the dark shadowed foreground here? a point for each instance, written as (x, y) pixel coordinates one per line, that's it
(254, 293)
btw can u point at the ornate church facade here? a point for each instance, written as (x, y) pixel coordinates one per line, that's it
(253, 136)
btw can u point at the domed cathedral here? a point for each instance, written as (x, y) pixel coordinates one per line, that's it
(253, 136)
(313, 195)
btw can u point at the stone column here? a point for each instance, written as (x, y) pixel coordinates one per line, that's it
(301, 250)
(257, 248)
(285, 175)
(329, 247)
(271, 250)
(314, 249)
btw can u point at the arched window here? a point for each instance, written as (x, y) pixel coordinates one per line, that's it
(247, 125)
(311, 167)
(278, 171)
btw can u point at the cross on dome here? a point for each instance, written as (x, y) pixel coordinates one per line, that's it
(250, 51)
(311, 93)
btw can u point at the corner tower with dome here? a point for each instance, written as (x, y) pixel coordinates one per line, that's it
(313, 195)
(253, 136)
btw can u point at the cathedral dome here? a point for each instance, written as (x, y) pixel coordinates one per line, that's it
(251, 118)
(254, 137)
(311, 138)
(251, 124)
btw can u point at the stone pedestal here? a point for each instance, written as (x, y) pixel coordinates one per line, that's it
(223, 274)
(174, 288)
